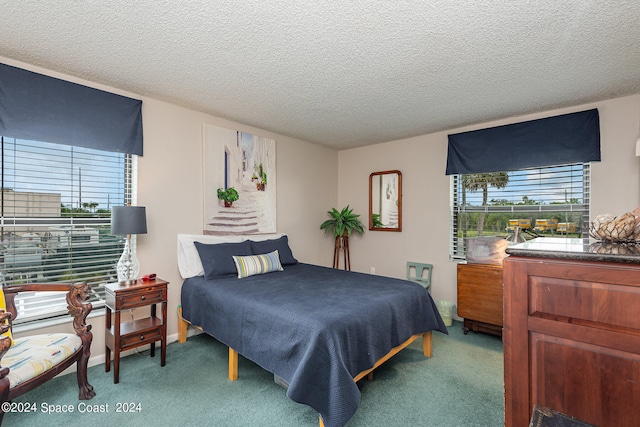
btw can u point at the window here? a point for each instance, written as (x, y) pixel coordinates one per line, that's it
(55, 213)
(544, 201)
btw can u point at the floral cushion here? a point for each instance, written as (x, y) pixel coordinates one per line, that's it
(3, 306)
(33, 355)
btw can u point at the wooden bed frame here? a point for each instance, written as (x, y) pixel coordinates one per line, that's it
(427, 349)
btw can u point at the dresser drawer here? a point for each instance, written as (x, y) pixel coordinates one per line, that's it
(140, 299)
(585, 301)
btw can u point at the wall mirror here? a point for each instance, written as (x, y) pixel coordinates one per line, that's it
(385, 201)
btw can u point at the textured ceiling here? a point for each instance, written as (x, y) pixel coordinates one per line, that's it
(340, 73)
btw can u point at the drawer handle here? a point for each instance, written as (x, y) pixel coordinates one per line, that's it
(141, 337)
(143, 298)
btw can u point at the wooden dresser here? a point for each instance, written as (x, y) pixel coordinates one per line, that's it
(572, 334)
(480, 297)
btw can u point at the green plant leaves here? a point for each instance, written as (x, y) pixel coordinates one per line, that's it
(229, 195)
(342, 222)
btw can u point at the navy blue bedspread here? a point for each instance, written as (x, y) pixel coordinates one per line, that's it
(315, 327)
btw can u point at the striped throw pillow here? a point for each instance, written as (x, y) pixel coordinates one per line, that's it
(257, 264)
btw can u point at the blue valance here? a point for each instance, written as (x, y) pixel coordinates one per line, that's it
(569, 138)
(43, 108)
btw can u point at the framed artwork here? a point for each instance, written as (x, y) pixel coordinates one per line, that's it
(239, 182)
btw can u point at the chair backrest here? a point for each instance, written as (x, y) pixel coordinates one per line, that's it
(420, 273)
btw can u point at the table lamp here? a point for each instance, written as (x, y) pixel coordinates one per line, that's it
(125, 221)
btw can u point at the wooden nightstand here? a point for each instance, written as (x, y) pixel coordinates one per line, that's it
(125, 336)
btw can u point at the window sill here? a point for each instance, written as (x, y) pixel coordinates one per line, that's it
(46, 323)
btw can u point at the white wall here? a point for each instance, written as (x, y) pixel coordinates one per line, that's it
(170, 185)
(426, 191)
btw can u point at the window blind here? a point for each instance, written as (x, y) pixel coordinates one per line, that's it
(543, 201)
(55, 211)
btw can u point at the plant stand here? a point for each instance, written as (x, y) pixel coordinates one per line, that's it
(342, 243)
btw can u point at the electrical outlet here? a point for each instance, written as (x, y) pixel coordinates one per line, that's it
(373, 270)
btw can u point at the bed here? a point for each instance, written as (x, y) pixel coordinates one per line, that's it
(315, 328)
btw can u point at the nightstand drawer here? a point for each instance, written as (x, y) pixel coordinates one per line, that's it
(139, 299)
(140, 338)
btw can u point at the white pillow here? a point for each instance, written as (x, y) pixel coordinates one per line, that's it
(189, 263)
(261, 237)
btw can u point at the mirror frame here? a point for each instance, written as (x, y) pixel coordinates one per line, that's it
(399, 198)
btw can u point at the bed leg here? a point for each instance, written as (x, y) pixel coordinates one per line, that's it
(233, 364)
(427, 344)
(182, 327)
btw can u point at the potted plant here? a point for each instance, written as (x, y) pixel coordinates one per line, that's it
(263, 182)
(229, 196)
(375, 221)
(342, 223)
(261, 178)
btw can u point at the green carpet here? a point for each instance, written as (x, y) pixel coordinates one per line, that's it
(461, 385)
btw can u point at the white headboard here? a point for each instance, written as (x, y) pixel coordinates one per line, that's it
(188, 258)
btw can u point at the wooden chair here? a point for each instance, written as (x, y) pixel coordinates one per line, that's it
(16, 382)
(420, 273)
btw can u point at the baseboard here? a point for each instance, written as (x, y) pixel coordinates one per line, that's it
(100, 359)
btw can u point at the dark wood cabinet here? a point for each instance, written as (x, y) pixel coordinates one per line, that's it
(572, 339)
(480, 297)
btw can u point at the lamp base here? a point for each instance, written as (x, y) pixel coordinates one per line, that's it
(128, 266)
